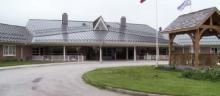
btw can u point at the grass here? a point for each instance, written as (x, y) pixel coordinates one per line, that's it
(16, 63)
(150, 80)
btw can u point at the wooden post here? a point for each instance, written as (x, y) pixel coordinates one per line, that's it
(171, 38)
(197, 47)
(170, 47)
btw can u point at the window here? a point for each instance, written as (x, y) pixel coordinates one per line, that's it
(9, 50)
(215, 50)
(35, 51)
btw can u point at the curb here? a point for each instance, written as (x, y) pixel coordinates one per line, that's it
(122, 91)
(132, 93)
(32, 65)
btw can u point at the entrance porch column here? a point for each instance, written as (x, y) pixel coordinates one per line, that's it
(197, 48)
(127, 53)
(64, 53)
(135, 54)
(171, 38)
(100, 54)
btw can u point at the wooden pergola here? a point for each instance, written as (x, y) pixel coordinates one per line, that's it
(197, 25)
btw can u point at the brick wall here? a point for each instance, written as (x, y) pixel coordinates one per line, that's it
(1, 51)
(18, 52)
(27, 52)
(205, 50)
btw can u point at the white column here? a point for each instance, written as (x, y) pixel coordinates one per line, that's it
(127, 53)
(100, 54)
(135, 54)
(64, 53)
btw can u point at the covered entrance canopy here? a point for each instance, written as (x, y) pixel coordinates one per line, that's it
(197, 25)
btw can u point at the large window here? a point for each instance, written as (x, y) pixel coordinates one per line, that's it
(9, 50)
(215, 50)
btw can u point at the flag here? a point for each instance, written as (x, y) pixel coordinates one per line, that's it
(142, 1)
(184, 4)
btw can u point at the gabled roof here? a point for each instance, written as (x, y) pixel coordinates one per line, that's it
(191, 21)
(14, 34)
(99, 24)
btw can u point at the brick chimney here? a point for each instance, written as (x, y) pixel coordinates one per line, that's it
(65, 19)
(123, 22)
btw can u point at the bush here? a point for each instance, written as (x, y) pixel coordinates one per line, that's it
(175, 67)
(212, 74)
(8, 59)
(166, 67)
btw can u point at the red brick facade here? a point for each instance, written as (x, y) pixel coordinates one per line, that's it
(27, 52)
(1, 51)
(25, 55)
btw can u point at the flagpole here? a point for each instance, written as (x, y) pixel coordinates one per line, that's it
(191, 7)
(157, 46)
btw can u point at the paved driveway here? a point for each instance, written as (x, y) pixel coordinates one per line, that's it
(55, 80)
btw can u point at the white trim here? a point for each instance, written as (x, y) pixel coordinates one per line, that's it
(101, 20)
(6, 52)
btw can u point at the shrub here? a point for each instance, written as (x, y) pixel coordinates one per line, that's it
(8, 59)
(212, 74)
(166, 67)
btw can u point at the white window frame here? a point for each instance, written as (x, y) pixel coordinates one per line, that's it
(9, 50)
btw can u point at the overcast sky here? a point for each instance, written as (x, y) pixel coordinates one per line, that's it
(17, 12)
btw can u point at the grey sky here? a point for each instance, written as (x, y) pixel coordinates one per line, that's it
(17, 12)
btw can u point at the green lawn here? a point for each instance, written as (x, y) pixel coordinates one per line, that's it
(16, 63)
(149, 80)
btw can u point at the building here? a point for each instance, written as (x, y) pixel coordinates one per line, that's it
(198, 37)
(70, 40)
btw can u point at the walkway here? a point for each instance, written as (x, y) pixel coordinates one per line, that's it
(56, 80)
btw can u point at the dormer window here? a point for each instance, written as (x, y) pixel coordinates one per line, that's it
(99, 25)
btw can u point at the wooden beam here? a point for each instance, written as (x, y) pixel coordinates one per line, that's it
(201, 32)
(211, 21)
(217, 28)
(210, 27)
(192, 36)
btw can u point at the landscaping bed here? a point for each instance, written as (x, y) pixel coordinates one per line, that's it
(150, 80)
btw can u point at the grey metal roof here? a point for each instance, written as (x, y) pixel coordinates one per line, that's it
(14, 34)
(191, 20)
(51, 31)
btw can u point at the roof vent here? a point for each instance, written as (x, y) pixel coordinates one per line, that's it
(84, 24)
(64, 19)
